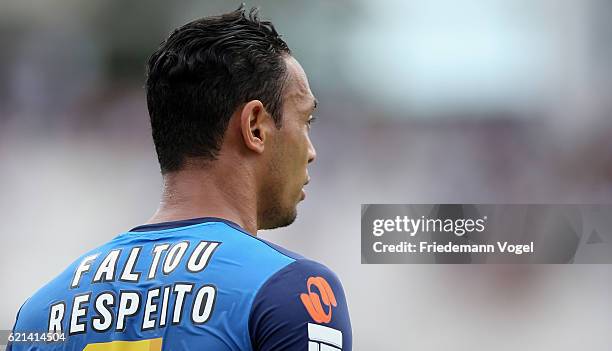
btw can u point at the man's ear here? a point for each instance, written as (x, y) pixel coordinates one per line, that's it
(255, 125)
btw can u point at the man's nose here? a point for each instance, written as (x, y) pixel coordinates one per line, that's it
(312, 153)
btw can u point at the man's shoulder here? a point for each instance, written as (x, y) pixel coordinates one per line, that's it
(303, 303)
(281, 250)
(299, 266)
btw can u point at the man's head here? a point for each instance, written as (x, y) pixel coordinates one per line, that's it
(227, 86)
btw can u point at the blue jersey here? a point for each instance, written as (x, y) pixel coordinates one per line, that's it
(201, 284)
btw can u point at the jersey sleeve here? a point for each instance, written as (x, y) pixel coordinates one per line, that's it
(301, 307)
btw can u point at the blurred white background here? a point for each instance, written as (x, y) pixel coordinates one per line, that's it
(470, 101)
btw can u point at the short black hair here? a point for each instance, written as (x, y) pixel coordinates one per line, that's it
(202, 73)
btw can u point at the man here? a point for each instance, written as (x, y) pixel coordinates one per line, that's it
(230, 113)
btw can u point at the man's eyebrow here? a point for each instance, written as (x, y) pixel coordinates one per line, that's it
(315, 103)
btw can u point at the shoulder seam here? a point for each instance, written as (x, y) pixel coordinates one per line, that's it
(258, 291)
(262, 241)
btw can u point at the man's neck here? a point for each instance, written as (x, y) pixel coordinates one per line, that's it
(207, 193)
